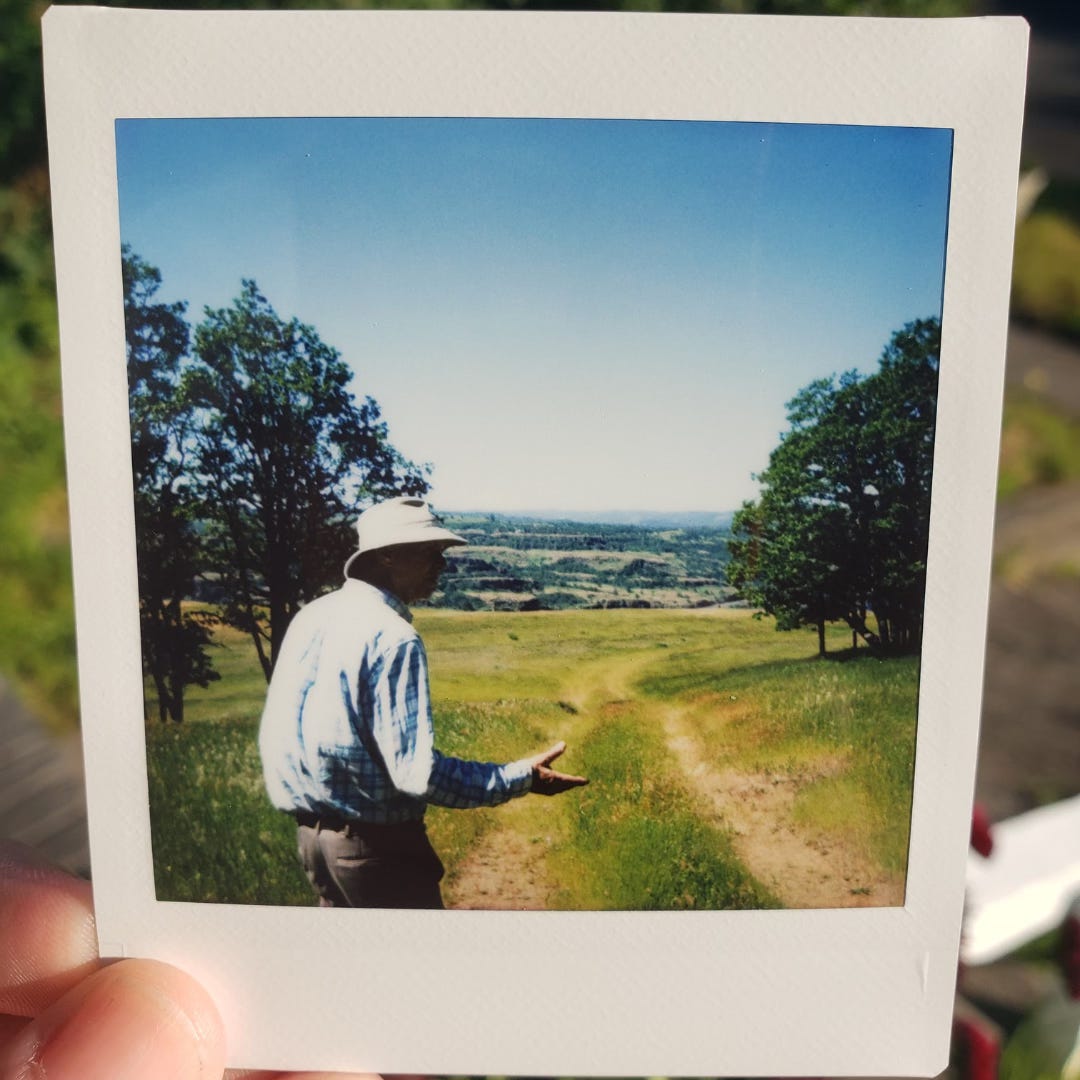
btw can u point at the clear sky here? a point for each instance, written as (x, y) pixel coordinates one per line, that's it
(562, 314)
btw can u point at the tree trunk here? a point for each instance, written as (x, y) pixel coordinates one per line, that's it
(857, 622)
(162, 698)
(821, 637)
(257, 637)
(176, 700)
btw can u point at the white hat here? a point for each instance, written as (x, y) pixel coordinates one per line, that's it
(404, 520)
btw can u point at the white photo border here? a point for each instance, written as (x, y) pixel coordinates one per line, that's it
(866, 991)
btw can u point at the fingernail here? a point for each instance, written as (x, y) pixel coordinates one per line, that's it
(129, 1021)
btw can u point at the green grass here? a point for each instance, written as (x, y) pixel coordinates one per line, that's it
(237, 695)
(216, 837)
(852, 721)
(638, 840)
(548, 657)
(508, 685)
(494, 731)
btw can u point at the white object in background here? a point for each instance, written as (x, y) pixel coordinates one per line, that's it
(1026, 885)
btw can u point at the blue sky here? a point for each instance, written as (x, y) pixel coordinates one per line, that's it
(570, 314)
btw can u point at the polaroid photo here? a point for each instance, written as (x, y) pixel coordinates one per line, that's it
(605, 397)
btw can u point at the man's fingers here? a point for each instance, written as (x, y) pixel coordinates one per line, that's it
(128, 1021)
(569, 781)
(573, 781)
(550, 782)
(48, 943)
(550, 755)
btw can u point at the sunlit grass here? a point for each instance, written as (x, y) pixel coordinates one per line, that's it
(847, 726)
(639, 841)
(500, 732)
(506, 685)
(216, 837)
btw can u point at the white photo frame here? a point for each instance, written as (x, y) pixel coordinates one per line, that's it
(757, 993)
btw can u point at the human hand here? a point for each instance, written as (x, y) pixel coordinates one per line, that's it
(66, 1015)
(546, 781)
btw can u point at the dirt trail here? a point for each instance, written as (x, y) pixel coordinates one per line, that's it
(601, 682)
(804, 870)
(506, 870)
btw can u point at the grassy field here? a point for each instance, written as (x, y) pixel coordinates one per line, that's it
(637, 695)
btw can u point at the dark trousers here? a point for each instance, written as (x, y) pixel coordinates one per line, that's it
(373, 866)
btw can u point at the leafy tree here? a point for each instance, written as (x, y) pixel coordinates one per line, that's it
(285, 457)
(900, 426)
(174, 640)
(785, 546)
(840, 529)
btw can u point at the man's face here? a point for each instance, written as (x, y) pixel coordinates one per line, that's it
(414, 570)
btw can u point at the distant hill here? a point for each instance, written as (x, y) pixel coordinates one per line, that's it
(536, 562)
(644, 519)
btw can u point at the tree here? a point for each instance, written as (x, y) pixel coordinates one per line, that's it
(784, 547)
(174, 640)
(840, 530)
(902, 415)
(286, 457)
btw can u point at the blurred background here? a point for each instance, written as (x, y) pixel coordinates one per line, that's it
(1030, 750)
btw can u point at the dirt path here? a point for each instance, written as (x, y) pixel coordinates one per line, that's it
(506, 870)
(804, 870)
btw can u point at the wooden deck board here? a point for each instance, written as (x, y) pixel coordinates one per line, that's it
(42, 788)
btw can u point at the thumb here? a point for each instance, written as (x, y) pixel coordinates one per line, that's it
(548, 756)
(129, 1020)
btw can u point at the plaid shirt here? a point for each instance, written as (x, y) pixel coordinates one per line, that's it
(347, 729)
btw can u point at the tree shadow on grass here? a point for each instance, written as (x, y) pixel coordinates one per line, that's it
(866, 653)
(678, 684)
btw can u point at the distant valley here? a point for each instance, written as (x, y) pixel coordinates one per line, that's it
(646, 519)
(614, 559)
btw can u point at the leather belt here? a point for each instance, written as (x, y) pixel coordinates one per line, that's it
(330, 822)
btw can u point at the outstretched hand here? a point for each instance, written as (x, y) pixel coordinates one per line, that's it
(548, 781)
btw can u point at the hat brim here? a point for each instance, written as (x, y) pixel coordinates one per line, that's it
(434, 534)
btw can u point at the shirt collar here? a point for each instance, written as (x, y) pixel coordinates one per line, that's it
(388, 598)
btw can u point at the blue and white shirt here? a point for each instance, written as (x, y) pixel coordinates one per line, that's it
(347, 728)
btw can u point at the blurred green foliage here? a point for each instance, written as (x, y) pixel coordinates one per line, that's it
(1039, 445)
(1046, 270)
(36, 620)
(37, 636)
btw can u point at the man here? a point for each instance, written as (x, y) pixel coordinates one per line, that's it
(346, 740)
